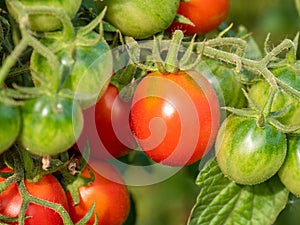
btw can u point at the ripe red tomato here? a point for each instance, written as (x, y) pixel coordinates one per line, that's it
(108, 191)
(48, 188)
(111, 135)
(206, 15)
(175, 117)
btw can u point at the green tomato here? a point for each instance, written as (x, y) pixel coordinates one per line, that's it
(289, 173)
(290, 75)
(46, 22)
(249, 154)
(90, 73)
(140, 18)
(51, 124)
(10, 124)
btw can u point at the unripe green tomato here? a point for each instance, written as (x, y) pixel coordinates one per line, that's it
(10, 124)
(46, 22)
(51, 124)
(289, 173)
(139, 18)
(249, 154)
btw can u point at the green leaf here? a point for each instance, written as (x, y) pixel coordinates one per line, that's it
(223, 202)
(182, 19)
(297, 2)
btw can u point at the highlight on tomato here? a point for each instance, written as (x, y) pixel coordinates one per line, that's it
(206, 15)
(175, 117)
(107, 190)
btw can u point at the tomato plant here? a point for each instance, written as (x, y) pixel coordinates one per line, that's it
(290, 171)
(187, 122)
(206, 15)
(112, 136)
(10, 121)
(289, 74)
(107, 190)
(47, 188)
(90, 66)
(40, 21)
(247, 153)
(51, 124)
(138, 18)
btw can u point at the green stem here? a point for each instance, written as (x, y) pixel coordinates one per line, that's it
(171, 62)
(12, 59)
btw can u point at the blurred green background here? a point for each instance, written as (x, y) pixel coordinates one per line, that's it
(170, 202)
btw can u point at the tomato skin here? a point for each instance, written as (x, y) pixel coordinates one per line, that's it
(10, 120)
(51, 124)
(289, 173)
(206, 15)
(175, 129)
(48, 188)
(112, 136)
(111, 196)
(140, 18)
(40, 22)
(90, 73)
(249, 154)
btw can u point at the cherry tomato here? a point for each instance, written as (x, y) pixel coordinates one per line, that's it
(90, 73)
(249, 154)
(10, 121)
(51, 124)
(108, 191)
(112, 135)
(40, 21)
(140, 18)
(48, 188)
(175, 117)
(206, 15)
(289, 173)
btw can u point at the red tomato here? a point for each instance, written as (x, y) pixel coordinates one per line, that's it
(108, 191)
(206, 15)
(107, 126)
(48, 188)
(175, 117)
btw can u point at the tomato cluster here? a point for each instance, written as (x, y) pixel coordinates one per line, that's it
(87, 102)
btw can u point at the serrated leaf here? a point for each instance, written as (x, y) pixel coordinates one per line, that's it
(223, 202)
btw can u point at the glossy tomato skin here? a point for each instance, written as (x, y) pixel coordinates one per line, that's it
(111, 136)
(48, 188)
(175, 117)
(206, 15)
(10, 120)
(108, 191)
(89, 75)
(249, 154)
(40, 22)
(51, 124)
(289, 173)
(140, 18)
